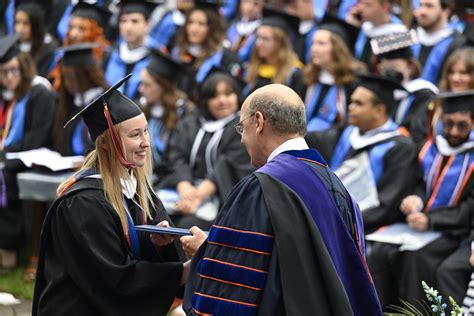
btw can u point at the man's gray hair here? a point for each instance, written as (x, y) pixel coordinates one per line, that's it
(284, 117)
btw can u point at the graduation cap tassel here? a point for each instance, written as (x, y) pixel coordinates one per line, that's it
(115, 140)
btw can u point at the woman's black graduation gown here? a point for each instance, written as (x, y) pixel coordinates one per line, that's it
(86, 266)
(40, 109)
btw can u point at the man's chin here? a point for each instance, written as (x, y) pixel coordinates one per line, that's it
(454, 142)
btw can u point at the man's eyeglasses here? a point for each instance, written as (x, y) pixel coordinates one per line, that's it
(239, 127)
(461, 126)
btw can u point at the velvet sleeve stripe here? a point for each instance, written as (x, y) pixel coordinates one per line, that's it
(232, 274)
(243, 240)
(207, 304)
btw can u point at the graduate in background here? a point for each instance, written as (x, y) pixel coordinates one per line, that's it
(241, 33)
(330, 74)
(26, 116)
(164, 104)
(30, 22)
(92, 260)
(412, 110)
(82, 81)
(288, 240)
(273, 58)
(205, 153)
(131, 55)
(375, 148)
(86, 24)
(442, 201)
(200, 46)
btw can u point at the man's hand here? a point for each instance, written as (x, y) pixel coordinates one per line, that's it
(411, 204)
(192, 243)
(184, 276)
(471, 258)
(353, 16)
(161, 240)
(418, 221)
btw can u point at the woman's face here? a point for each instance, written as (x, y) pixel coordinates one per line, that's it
(265, 43)
(224, 103)
(23, 26)
(321, 49)
(77, 29)
(135, 139)
(10, 74)
(149, 88)
(459, 78)
(197, 28)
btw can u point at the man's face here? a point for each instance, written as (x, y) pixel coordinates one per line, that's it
(429, 13)
(251, 9)
(249, 136)
(370, 10)
(457, 127)
(133, 27)
(362, 111)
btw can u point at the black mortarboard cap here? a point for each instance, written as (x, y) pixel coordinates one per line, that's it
(347, 32)
(394, 46)
(165, 67)
(91, 11)
(8, 47)
(286, 22)
(383, 87)
(79, 55)
(209, 4)
(221, 70)
(457, 101)
(121, 108)
(137, 6)
(34, 7)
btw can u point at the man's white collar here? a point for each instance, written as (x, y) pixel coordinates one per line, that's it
(292, 144)
(431, 39)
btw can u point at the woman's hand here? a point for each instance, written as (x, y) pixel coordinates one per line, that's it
(160, 240)
(192, 243)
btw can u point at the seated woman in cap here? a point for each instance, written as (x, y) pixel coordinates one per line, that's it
(330, 75)
(200, 45)
(26, 117)
(92, 260)
(205, 154)
(273, 58)
(30, 22)
(82, 82)
(164, 104)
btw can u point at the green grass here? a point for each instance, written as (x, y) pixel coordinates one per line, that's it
(13, 283)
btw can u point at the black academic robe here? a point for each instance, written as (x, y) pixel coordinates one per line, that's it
(38, 122)
(44, 59)
(393, 185)
(86, 266)
(265, 227)
(232, 160)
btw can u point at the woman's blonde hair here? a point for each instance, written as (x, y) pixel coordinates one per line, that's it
(285, 61)
(342, 67)
(104, 159)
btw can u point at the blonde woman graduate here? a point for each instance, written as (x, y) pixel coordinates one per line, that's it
(92, 260)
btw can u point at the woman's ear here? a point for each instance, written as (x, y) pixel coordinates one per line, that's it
(101, 142)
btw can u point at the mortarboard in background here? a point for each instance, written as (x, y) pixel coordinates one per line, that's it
(120, 107)
(138, 6)
(347, 32)
(383, 87)
(34, 7)
(164, 66)
(288, 23)
(79, 55)
(8, 47)
(457, 101)
(91, 11)
(394, 46)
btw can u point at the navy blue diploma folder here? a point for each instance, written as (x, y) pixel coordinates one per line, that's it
(164, 230)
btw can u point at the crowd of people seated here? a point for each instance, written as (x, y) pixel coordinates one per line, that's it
(388, 87)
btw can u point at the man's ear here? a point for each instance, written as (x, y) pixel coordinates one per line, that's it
(259, 122)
